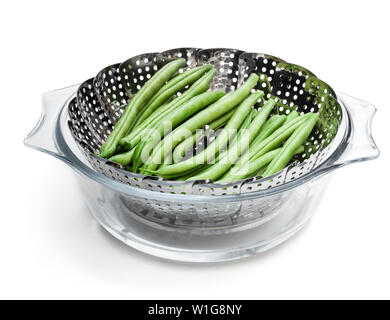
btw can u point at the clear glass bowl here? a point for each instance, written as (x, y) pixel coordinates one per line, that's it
(278, 212)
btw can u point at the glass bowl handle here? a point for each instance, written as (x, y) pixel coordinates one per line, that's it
(360, 145)
(42, 136)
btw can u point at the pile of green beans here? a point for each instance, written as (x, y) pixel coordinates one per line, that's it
(159, 129)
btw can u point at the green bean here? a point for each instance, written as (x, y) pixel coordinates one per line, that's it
(241, 115)
(172, 87)
(254, 113)
(260, 172)
(198, 87)
(201, 84)
(139, 99)
(270, 126)
(178, 116)
(253, 167)
(270, 121)
(291, 145)
(271, 142)
(231, 155)
(189, 142)
(206, 82)
(134, 136)
(202, 118)
(123, 158)
(277, 137)
(182, 148)
(251, 116)
(128, 118)
(191, 173)
(200, 169)
(167, 86)
(136, 128)
(179, 77)
(292, 115)
(167, 161)
(245, 124)
(217, 123)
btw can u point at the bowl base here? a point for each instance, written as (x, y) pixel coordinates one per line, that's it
(195, 248)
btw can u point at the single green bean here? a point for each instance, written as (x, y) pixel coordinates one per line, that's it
(254, 113)
(292, 115)
(260, 172)
(292, 144)
(198, 87)
(123, 158)
(202, 118)
(139, 99)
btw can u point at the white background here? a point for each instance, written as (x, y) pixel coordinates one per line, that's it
(50, 247)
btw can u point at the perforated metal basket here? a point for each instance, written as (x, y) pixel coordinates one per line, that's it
(100, 102)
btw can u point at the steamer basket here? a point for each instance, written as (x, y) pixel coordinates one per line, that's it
(295, 87)
(202, 220)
